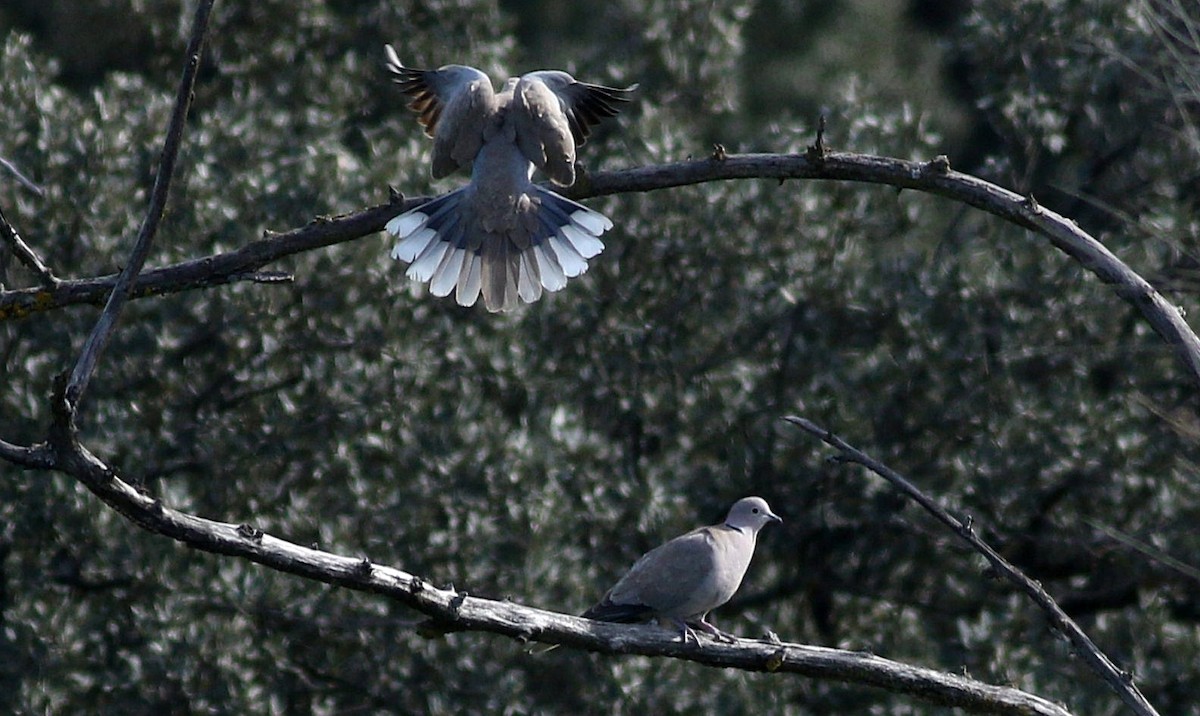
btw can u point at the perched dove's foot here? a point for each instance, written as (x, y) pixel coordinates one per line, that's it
(716, 633)
(686, 633)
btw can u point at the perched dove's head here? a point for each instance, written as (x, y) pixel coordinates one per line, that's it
(750, 513)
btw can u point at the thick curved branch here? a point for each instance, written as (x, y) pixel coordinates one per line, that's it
(106, 324)
(1120, 681)
(464, 612)
(933, 177)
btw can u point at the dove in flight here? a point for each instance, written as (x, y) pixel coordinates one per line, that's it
(501, 236)
(684, 579)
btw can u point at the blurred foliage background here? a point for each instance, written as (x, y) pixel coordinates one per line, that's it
(533, 456)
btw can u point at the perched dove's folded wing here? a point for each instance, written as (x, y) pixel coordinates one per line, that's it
(661, 578)
(684, 579)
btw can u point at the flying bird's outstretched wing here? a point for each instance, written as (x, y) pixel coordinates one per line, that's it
(455, 104)
(554, 113)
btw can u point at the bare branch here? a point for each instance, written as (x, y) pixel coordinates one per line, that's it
(35, 457)
(934, 177)
(464, 612)
(1120, 681)
(25, 254)
(219, 269)
(106, 324)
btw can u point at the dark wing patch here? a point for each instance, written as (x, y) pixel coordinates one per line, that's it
(587, 104)
(414, 83)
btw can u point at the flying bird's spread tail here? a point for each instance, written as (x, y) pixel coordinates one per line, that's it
(501, 236)
(549, 242)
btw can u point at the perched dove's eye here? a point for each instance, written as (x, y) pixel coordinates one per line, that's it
(755, 510)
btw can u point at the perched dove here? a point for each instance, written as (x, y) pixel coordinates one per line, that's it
(683, 580)
(501, 235)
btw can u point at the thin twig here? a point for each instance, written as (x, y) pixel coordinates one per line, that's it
(106, 324)
(1147, 550)
(21, 178)
(1120, 681)
(25, 254)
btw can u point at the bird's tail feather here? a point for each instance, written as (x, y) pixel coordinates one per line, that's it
(606, 611)
(540, 249)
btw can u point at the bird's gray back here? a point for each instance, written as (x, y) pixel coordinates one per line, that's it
(689, 575)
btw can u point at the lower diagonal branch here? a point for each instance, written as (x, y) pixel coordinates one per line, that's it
(514, 620)
(1121, 682)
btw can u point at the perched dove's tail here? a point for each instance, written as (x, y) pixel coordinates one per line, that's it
(606, 611)
(548, 240)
